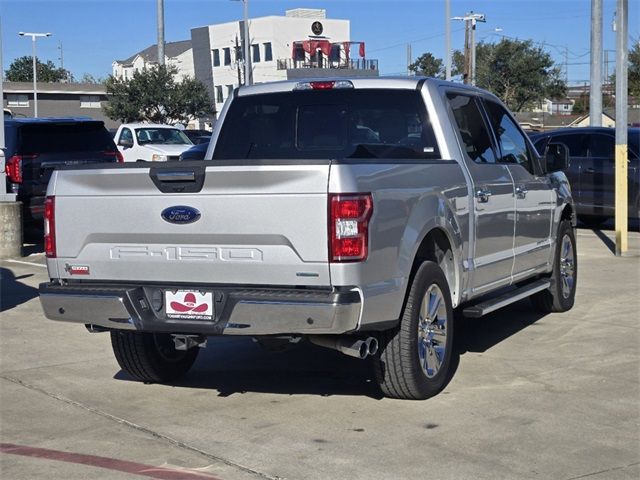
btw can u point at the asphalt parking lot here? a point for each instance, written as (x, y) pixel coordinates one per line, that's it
(547, 397)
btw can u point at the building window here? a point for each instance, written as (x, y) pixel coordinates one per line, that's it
(268, 54)
(219, 97)
(229, 90)
(255, 55)
(216, 58)
(17, 100)
(227, 55)
(89, 101)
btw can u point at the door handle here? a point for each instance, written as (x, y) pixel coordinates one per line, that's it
(521, 191)
(590, 170)
(483, 195)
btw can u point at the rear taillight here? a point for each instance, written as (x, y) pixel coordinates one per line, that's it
(13, 169)
(50, 227)
(115, 155)
(349, 216)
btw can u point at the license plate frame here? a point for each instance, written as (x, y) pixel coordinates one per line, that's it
(189, 304)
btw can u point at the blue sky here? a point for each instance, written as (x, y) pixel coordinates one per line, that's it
(95, 32)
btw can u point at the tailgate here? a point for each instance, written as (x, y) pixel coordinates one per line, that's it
(258, 224)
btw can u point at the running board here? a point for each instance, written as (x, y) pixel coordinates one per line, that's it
(488, 306)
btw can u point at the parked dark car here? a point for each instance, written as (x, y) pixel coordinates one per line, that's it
(36, 146)
(198, 136)
(591, 169)
(197, 152)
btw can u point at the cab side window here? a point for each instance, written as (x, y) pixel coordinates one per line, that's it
(476, 140)
(512, 142)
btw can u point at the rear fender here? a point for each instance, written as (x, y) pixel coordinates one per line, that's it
(432, 212)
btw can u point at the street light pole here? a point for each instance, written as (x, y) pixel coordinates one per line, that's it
(35, 70)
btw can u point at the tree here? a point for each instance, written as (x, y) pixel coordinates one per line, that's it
(21, 70)
(517, 72)
(582, 104)
(428, 65)
(634, 70)
(153, 95)
(88, 78)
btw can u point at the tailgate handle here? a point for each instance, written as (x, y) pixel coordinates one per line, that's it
(176, 176)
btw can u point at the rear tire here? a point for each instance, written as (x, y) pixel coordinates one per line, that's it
(417, 358)
(151, 357)
(560, 295)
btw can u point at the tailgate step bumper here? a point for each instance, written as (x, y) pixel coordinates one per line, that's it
(238, 311)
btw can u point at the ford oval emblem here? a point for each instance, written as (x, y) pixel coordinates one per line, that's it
(180, 214)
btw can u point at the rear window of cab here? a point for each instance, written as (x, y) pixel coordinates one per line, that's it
(327, 124)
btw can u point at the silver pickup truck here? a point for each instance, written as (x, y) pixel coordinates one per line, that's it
(357, 214)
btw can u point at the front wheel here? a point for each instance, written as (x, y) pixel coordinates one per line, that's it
(416, 359)
(151, 357)
(560, 295)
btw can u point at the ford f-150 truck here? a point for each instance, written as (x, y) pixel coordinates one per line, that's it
(358, 214)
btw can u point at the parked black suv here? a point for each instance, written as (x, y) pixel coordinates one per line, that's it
(591, 169)
(36, 146)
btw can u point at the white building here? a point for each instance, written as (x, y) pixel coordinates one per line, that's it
(177, 54)
(303, 43)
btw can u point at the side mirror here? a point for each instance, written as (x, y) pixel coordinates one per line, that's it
(125, 143)
(556, 157)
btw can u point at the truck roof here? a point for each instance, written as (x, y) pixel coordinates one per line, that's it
(148, 125)
(397, 82)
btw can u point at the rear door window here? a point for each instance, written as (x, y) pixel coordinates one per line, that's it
(327, 124)
(60, 138)
(473, 130)
(601, 146)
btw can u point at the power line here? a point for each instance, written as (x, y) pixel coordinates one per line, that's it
(411, 41)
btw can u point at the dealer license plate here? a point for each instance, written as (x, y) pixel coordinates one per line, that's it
(189, 304)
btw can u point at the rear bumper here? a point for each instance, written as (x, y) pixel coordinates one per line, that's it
(238, 311)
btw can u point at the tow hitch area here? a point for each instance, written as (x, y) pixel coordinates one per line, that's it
(186, 342)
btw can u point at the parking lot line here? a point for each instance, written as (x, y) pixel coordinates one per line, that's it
(108, 463)
(26, 263)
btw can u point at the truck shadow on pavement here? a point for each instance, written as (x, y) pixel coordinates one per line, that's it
(478, 335)
(13, 292)
(238, 365)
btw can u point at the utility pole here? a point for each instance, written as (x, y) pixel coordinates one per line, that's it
(61, 57)
(238, 56)
(160, 32)
(470, 20)
(409, 59)
(595, 94)
(35, 72)
(247, 44)
(622, 57)
(447, 39)
(566, 64)
(466, 73)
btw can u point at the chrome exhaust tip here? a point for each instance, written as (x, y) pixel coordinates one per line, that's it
(372, 345)
(348, 345)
